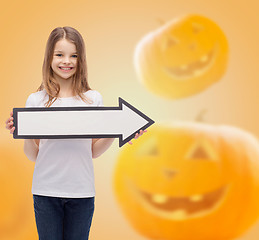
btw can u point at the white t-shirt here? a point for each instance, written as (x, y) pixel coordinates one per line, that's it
(64, 167)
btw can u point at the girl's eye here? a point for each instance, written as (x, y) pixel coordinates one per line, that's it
(59, 54)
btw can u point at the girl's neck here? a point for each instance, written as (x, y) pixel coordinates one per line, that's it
(65, 88)
(65, 94)
(65, 91)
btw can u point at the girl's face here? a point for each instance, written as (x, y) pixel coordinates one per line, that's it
(64, 60)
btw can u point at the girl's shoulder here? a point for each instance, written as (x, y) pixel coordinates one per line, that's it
(40, 94)
(37, 98)
(95, 96)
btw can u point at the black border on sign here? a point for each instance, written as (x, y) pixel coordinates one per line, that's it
(40, 109)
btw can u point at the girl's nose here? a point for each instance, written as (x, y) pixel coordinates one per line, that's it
(66, 60)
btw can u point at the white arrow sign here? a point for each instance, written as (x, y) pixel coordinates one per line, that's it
(80, 122)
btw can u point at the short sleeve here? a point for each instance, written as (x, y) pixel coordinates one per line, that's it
(99, 99)
(30, 101)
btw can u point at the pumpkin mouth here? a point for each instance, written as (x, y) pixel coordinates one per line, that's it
(182, 208)
(193, 69)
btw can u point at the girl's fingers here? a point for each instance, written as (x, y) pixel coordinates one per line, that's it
(138, 135)
(12, 130)
(9, 119)
(9, 125)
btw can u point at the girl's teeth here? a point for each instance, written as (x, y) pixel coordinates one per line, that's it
(66, 68)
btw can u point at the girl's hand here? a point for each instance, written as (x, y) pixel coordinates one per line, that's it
(138, 135)
(9, 123)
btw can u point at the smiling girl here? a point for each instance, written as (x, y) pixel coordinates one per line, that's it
(63, 180)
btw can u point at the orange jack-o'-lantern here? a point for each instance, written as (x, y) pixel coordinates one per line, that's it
(190, 181)
(16, 204)
(182, 58)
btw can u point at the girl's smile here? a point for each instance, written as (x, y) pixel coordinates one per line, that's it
(65, 69)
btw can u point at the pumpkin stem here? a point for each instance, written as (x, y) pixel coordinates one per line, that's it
(199, 117)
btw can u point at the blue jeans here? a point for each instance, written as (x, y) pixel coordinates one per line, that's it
(63, 218)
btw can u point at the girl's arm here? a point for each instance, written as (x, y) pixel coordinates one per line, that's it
(31, 148)
(100, 145)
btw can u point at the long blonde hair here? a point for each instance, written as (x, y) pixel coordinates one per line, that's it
(79, 79)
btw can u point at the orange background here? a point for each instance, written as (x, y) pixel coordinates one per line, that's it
(111, 30)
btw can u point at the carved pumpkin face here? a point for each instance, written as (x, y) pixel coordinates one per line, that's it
(16, 218)
(182, 58)
(189, 180)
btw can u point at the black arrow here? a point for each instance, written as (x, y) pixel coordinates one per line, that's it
(121, 122)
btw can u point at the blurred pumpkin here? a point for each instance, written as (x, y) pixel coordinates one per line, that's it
(16, 204)
(189, 181)
(182, 58)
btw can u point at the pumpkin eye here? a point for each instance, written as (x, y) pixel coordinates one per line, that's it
(148, 148)
(196, 28)
(202, 150)
(171, 41)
